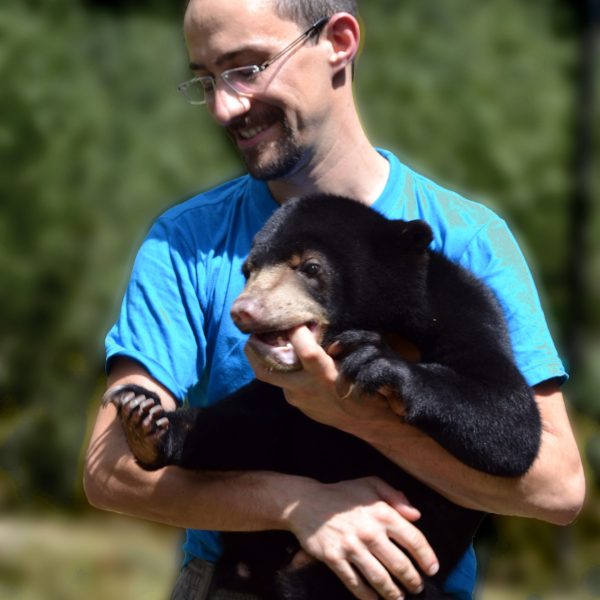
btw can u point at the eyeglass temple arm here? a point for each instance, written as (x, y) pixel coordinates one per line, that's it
(316, 27)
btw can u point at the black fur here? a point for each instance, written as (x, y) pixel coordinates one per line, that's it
(377, 276)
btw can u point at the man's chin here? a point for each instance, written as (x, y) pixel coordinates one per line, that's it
(268, 170)
(272, 159)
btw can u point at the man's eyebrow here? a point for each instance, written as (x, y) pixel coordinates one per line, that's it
(228, 56)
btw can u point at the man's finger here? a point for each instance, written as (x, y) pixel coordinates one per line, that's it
(350, 578)
(312, 356)
(416, 545)
(301, 559)
(377, 575)
(397, 564)
(396, 499)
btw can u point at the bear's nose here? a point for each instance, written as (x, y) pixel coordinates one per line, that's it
(246, 312)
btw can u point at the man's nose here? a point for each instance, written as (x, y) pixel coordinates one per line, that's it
(227, 105)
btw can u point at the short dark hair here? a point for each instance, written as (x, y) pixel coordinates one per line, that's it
(307, 12)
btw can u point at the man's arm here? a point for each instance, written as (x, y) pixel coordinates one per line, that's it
(113, 480)
(552, 490)
(352, 526)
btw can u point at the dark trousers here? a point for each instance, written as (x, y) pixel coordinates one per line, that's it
(194, 582)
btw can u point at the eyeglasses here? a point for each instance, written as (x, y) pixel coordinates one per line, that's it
(244, 81)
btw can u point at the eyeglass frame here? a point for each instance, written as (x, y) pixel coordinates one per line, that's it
(182, 87)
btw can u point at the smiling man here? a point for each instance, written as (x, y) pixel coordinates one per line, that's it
(269, 141)
(277, 76)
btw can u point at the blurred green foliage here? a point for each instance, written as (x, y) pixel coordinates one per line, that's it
(478, 94)
(95, 142)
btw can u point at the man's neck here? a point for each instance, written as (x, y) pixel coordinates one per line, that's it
(347, 168)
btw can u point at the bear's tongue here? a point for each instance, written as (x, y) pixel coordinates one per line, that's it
(275, 349)
(275, 338)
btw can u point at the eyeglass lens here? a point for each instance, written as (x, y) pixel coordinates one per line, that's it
(242, 80)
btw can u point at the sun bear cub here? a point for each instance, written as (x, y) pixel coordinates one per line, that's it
(353, 277)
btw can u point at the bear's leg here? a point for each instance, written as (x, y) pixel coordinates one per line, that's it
(245, 431)
(368, 362)
(474, 413)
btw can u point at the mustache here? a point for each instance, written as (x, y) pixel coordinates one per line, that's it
(256, 119)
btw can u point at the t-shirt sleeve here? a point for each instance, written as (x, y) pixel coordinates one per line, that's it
(160, 324)
(494, 256)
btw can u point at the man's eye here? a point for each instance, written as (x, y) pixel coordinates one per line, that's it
(248, 74)
(242, 75)
(206, 84)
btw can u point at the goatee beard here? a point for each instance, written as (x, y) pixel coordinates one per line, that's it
(277, 162)
(287, 156)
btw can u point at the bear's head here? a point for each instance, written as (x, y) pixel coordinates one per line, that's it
(329, 263)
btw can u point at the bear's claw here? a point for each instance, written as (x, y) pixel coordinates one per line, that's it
(122, 394)
(368, 362)
(144, 422)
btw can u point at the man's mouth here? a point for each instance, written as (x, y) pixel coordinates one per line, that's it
(251, 132)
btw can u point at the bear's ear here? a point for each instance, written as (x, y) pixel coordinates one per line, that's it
(415, 236)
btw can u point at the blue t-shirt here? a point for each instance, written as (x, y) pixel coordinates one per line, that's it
(174, 318)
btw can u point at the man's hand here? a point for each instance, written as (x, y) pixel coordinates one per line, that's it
(319, 390)
(364, 528)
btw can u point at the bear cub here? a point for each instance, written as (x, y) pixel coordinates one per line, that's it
(354, 278)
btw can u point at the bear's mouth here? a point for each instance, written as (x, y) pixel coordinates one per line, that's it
(274, 348)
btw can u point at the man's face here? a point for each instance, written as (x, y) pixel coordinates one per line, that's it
(275, 130)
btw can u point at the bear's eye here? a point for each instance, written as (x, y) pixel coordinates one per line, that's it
(246, 268)
(311, 268)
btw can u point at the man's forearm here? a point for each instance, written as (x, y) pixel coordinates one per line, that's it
(182, 498)
(219, 501)
(552, 490)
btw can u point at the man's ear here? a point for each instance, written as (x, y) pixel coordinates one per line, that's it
(343, 33)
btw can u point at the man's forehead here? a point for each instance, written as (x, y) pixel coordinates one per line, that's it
(216, 30)
(212, 15)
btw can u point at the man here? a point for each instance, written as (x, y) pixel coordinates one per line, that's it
(293, 120)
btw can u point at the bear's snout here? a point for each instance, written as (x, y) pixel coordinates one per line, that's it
(247, 312)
